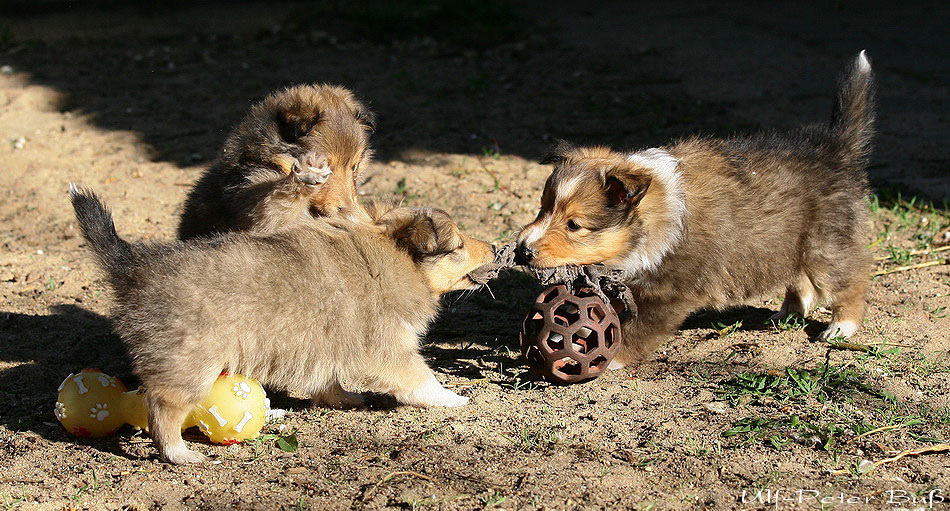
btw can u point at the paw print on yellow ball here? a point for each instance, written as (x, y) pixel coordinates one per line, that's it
(241, 389)
(83, 403)
(235, 410)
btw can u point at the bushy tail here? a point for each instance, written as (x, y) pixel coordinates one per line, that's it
(852, 119)
(95, 220)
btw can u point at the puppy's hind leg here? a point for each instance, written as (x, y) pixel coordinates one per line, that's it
(847, 310)
(799, 299)
(335, 396)
(847, 294)
(167, 409)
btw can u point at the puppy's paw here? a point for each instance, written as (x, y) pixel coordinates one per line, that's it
(182, 455)
(432, 393)
(340, 399)
(839, 329)
(614, 365)
(312, 172)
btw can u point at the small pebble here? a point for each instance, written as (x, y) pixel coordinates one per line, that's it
(716, 407)
(19, 142)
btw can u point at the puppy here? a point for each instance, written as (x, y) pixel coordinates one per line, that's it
(303, 308)
(712, 223)
(295, 155)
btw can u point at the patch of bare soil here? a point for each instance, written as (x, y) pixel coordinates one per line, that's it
(133, 103)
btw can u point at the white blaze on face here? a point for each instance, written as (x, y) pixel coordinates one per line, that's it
(535, 231)
(566, 188)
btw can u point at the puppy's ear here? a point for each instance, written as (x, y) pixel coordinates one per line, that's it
(558, 153)
(625, 188)
(412, 230)
(294, 124)
(366, 117)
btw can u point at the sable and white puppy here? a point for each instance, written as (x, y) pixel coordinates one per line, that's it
(302, 309)
(297, 154)
(711, 223)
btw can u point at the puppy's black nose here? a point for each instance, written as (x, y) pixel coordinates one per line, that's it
(524, 254)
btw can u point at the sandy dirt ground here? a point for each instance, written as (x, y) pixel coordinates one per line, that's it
(134, 102)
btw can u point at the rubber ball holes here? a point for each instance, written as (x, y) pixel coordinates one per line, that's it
(569, 337)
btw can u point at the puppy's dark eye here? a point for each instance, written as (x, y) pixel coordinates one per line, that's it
(572, 225)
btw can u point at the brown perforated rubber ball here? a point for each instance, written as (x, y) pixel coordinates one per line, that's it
(568, 337)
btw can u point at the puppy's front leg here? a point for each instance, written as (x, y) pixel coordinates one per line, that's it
(655, 322)
(167, 409)
(431, 393)
(415, 384)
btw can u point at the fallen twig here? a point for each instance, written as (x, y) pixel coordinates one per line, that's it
(877, 430)
(851, 346)
(937, 262)
(909, 452)
(914, 452)
(916, 252)
(466, 383)
(856, 346)
(392, 475)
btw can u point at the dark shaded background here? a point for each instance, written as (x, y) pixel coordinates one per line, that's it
(474, 76)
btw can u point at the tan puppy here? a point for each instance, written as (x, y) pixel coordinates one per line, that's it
(296, 154)
(301, 309)
(712, 223)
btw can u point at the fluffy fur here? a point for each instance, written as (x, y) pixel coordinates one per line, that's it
(712, 223)
(302, 309)
(295, 155)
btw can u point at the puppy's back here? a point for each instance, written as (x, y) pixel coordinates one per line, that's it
(271, 306)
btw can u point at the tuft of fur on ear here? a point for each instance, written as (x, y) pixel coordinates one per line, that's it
(558, 153)
(625, 188)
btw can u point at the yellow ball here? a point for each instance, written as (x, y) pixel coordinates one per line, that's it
(234, 411)
(133, 408)
(88, 403)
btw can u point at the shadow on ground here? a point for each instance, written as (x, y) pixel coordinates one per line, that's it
(182, 85)
(49, 348)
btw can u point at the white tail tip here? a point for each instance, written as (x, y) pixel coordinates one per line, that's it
(862, 63)
(73, 189)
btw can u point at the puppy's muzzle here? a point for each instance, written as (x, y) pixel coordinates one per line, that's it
(525, 254)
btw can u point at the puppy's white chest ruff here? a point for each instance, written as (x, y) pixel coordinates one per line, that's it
(659, 239)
